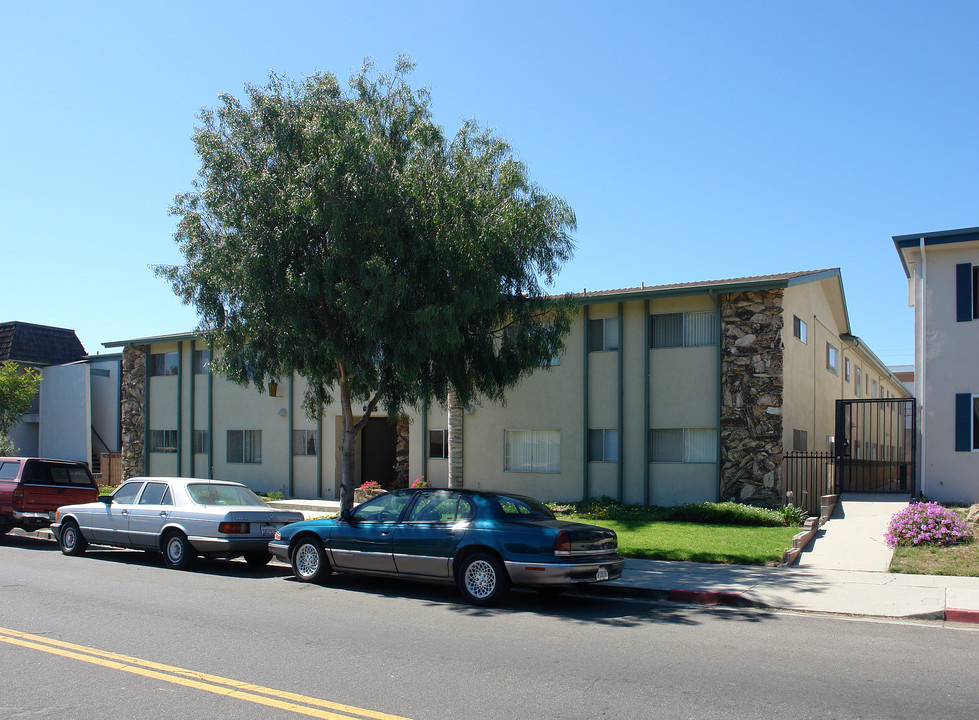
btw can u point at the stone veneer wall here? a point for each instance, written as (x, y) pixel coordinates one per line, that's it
(133, 383)
(752, 381)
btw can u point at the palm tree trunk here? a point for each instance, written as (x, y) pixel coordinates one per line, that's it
(456, 412)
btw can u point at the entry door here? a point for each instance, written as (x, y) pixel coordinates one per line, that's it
(379, 443)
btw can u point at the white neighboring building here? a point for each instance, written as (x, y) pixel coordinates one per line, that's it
(943, 287)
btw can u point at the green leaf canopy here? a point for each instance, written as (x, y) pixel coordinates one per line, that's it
(339, 235)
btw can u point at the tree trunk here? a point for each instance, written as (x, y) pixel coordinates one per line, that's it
(456, 412)
(350, 430)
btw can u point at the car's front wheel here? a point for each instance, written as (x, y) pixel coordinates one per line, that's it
(72, 541)
(177, 551)
(309, 561)
(482, 579)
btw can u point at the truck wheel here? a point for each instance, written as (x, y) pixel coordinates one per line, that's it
(71, 540)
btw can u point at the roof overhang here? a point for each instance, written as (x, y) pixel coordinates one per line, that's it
(905, 243)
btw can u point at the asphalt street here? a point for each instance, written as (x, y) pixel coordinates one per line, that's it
(115, 635)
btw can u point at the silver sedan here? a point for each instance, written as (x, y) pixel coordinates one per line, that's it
(180, 517)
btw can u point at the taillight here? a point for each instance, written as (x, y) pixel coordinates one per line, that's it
(19, 497)
(235, 527)
(562, 543)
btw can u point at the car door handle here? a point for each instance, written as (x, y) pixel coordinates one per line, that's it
(385, 532)
(125, 512)
(163, 513)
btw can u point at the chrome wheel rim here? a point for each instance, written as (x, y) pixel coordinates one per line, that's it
(175, 549)
(480, 579)
(307, 560)
(68, 538)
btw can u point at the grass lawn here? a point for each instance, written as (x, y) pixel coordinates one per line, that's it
(696, 542)
(958, 559)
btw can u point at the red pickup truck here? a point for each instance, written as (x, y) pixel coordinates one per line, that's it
(31, 489)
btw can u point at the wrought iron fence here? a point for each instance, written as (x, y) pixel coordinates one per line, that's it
(806, 477)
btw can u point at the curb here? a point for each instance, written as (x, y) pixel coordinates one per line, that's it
(961, 615)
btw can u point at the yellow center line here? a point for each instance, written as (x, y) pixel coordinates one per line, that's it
(280, 699)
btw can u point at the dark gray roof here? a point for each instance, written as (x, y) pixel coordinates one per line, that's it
(39, 344)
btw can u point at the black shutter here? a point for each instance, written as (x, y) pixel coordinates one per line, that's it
(963, 422)
(963, 292)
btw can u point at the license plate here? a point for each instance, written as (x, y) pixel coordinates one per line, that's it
(269, 531)
(602, 574)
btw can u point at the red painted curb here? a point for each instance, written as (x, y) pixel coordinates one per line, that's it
(961, 615)
(705, 597)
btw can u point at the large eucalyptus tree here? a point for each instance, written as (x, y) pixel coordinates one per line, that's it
(338, 234)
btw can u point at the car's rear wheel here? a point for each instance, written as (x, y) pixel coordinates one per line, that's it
(72, 541)
(177, 551)
(482, 579)
(258, 559)
(309, 561)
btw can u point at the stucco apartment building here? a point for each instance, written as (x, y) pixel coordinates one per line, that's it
(664, 395)
(76, 413)
(943, 287)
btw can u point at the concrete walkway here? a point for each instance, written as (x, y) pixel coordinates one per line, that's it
(853, 538)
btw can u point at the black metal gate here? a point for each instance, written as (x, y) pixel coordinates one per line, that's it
(806, 477)
(875, 445)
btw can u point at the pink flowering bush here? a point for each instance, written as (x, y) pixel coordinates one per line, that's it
(926, 523)
(420, 483)
(370, 485)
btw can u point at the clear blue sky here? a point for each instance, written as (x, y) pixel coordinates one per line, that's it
(694, 140)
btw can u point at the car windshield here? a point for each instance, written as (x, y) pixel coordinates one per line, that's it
(513, 506)
(208, 494)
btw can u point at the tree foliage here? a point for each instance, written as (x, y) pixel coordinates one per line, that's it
(338, 234)
(18, 387)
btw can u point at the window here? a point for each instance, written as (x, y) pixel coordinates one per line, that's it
(532, 451)
(441, 507)
(201, 442)
(603, 446)
(832, 359)
(873, 388)
(156, 493)
(304, 442)
(846, 369)
(800, 441)
(966, 422)
(202, 362)
(799, 328)
(603, 334)
(856, 383)
(830, 445)
(692, 329)
(163, 441)
(126, 494)
(163, 364)
(244, 446)
(683, 445)
(438, 444)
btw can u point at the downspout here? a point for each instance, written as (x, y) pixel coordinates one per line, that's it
(720, 389)
(584, 407)
(180, 409)
(621, 418)
(146, 410)
(922, 362)
(424, 439)
(193, 396)
(210, 414)
(292, 459)
(647, 321)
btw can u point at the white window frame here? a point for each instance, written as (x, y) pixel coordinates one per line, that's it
(532, 462)
(607, 339)
(163, 441)
(200, 442)
(609, 445)
(799, 329)
(445, 444)
(251, 447)
(689, 444)
(307, 435)
(832, 358)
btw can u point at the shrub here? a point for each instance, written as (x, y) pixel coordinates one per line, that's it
(420, 483)
(370, 485)
(726, 513)
(274, 495)
(926, 523)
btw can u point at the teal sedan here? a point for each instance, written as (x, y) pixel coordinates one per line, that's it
(484, 542)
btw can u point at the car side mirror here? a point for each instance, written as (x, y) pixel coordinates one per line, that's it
(107, 499)
(346, 515)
